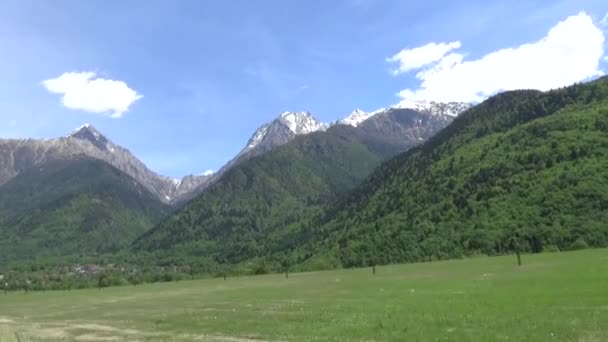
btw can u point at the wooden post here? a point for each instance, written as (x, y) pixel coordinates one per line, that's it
(374, 269)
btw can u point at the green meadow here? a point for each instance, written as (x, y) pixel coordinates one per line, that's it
(552, 297)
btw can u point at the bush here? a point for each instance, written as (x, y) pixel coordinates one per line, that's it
(551, 249)
(260, 268)
(579, 243)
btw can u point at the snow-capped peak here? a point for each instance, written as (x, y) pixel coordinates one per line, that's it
(297, 122)
(427, 107)
(88, 133)
(86, 125)
(436, 108)
(86, 129)
(356, 117)
(301, 122)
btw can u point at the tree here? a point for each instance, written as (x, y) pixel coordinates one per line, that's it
(514, 243)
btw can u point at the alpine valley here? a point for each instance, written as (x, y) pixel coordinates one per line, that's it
(522, 171)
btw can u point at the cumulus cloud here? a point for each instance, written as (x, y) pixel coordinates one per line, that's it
(410, 59)
(570, 52)
(207, 173)
(85, 91)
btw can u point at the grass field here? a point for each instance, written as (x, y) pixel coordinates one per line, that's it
(552, 297)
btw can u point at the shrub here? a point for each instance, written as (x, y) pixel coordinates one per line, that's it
(579, 243)
(551, 249)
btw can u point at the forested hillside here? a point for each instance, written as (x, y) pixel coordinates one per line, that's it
(80, 206)
(524, 170)
(254, 205)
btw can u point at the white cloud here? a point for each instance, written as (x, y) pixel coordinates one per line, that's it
(570, 52)
(207, 173)
(410, 59)
(85, 91)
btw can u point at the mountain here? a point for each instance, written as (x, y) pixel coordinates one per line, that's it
(278, 132)
(356, 117)
(436, 108)
(253, 205)
(288, 125)
(17, 155)
(452, 109)
(50, 187)
(74, 206)
(399, 129)
(524, 170)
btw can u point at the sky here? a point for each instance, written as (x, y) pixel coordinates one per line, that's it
(184, 84)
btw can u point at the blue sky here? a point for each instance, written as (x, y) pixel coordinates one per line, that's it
(210, 72)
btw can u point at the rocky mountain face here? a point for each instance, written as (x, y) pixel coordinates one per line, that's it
(17, 155)
(401, 129)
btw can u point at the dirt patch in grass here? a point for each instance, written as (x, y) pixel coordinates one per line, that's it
(93, 337)
(106, 328)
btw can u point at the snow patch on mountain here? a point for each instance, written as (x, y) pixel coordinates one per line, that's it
(356, 117)
(297, 122)
(257, 137)
(302, 122)
(428, 107)
(436, 108)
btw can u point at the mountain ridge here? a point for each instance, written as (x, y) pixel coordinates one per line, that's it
(17, 155)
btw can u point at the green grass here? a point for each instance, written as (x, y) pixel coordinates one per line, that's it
(552, 297)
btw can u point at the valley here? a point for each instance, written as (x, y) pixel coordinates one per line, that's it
(551, 297)
(347, 170)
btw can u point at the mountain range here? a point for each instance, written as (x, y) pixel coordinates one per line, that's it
(523, 171)
(65, 196)
(17, 155)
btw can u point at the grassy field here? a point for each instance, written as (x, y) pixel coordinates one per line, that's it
(552, 297)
